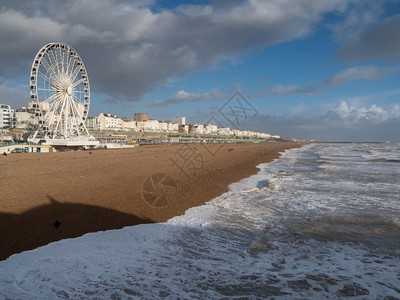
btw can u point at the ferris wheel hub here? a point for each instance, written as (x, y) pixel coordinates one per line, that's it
(69, 90)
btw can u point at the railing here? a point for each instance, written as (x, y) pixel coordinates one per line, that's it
(8, 144)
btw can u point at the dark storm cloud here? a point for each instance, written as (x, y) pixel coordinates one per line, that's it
(379, 42)
(129, 47)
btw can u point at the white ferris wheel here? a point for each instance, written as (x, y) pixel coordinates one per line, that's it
(60, 93)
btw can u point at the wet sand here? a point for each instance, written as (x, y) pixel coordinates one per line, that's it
(89, 191)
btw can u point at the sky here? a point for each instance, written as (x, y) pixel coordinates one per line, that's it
(314, 69)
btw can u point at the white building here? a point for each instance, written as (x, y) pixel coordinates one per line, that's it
(265, 135)
(210, 129)
(109, 122)
(224, 131)
(44, 106)
(128, 125)
(200, 128)
(91, 123)
(246, 133)
(163, 126)
(7, 117)
(173, 127)
(141, 125)
(180, 120)
(25, 118)
(149, 125)
(237, 132)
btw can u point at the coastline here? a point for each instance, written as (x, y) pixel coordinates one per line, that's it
(110, 189)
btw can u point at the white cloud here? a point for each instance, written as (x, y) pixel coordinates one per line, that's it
(360, 72)
(373, 114)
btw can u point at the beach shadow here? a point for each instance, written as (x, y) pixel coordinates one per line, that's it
(56, 221)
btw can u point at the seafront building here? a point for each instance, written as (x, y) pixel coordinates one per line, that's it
(24, 119)
(7, 117)
(107, 121)
(91, 123)
(139, 117)
(180, 120)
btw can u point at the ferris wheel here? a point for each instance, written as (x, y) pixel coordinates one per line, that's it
(60, 93)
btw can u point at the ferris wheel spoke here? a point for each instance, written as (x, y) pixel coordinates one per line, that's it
(56, 61)
(52, 61)
(76, 108)
(40, 89)
(48, 116)
(75, 73)
(76, 98)
(45, 77)
(60, 114)
(52, 111)
(78, 82)
(51, 98)
(47, 67)
(66, 62)
(70, 64)
(62, 56)
(74, 115)
(81, 118)
(62, 61)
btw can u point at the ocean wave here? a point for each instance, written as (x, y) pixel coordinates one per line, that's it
(291, 231)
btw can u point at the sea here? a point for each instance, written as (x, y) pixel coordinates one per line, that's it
(320, 222)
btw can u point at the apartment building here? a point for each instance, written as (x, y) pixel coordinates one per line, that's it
(180, 120)
(7, 117)
(140, 117)
(107, 121)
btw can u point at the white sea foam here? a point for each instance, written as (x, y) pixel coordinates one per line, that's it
(291, 231)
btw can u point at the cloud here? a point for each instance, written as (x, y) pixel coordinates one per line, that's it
(130, 48)
(291, 89)
(379, 42)
(22, 36)
(371, 115)
(341, 123)
(283, 90)
(185, 97)
(354, 21)
(360, 72)
(13, 94)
